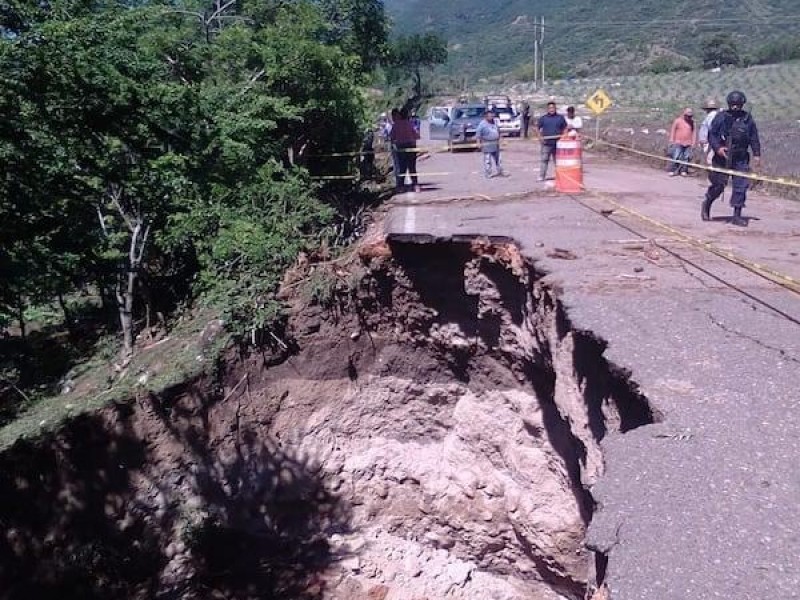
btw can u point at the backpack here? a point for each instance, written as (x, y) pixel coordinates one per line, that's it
(739, 133)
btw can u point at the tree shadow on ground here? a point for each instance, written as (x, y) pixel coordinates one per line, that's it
(170, 497)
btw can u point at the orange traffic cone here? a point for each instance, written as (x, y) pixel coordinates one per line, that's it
(569, 165)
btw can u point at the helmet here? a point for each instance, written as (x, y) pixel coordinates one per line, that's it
(710, 104)
(736, 98)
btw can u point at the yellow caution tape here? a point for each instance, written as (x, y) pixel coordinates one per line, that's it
(765, 271)
(426, 148)
(786, 281)
(785, 181)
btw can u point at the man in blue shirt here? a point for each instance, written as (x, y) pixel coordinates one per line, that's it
(488, 136)
(551, 126)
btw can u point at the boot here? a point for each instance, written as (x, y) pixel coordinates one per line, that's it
(738, 219)
(705, 210)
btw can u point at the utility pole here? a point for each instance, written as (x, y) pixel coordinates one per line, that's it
(538, 52)
(541, 52)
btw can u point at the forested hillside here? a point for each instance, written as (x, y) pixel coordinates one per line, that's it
(584, 37)
(158, 154)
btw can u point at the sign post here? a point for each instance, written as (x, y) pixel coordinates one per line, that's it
(598, 103)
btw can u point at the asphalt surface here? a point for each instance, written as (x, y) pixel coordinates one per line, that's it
(704, 504)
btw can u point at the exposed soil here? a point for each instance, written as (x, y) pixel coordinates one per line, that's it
(431, 431)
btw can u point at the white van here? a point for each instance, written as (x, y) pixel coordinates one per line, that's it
(439, 118)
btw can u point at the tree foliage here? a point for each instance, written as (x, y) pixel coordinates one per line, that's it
(720, 51)
(410, 55)
(778, 50)
(163, 152)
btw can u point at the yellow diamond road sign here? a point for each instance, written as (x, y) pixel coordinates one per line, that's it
(599, 102)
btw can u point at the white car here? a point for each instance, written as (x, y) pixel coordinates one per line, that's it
(509, 121)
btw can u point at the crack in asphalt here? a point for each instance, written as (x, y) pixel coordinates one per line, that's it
(754, 340)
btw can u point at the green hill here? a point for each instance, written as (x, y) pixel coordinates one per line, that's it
(582, 37)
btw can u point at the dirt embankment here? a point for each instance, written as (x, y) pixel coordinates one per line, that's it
(432, 433)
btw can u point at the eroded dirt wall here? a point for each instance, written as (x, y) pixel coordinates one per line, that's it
(434, 435)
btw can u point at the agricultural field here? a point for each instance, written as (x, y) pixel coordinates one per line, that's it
(645, 105)
(773, 91)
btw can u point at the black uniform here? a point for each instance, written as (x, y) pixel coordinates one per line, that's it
(736, 131)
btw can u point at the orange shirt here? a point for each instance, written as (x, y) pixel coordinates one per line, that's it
(682, 133)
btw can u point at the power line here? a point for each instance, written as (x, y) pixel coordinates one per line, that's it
(721, 20)
(786, 20)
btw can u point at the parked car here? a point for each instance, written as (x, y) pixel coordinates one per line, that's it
(509, 121)
(463, 124)
(496, 100)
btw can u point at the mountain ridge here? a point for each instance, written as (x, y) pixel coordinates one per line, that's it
(491, 37)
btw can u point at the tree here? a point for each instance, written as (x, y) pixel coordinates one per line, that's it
(164, 151)
(359, 27)
(720, 51)
(409, 56)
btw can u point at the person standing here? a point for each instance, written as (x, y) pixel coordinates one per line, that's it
(487, 135)
(682, 137)
(395, 115)
(526, 118)
(712, 108)
(574, 124)
(404, 138)
(385, 129)
(416, 123)
(366, 165)
(733, 134)
(551, 126)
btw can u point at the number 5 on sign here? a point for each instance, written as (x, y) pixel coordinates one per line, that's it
(599, 102)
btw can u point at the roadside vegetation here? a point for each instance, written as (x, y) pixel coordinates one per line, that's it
(163, 167)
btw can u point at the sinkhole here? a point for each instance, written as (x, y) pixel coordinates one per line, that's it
(429, 427)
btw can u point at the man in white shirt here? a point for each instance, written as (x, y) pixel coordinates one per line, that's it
(574, 124)
(712, 108)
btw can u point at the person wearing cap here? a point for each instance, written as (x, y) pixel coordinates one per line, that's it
(732, 136)
(526, 118)
(712, 108)
(487, 135)
(682, 137)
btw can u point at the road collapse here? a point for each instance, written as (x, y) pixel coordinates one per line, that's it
(429, 428)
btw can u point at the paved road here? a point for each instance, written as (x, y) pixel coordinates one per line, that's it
(705, 503)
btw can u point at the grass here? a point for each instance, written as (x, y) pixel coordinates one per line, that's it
(181, 356)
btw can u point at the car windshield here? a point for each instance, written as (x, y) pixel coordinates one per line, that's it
(468, 112)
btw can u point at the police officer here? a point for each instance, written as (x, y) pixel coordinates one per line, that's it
(732, 135)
